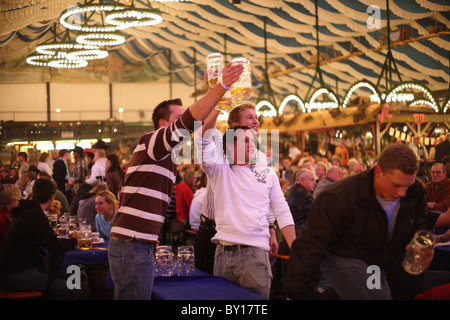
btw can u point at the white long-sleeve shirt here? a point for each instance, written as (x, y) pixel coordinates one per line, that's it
(98, 169)
(244, 197)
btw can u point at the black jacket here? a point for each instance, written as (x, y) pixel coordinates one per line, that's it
(59, 174)
(300, 202)
(347, 220)
(28, 233)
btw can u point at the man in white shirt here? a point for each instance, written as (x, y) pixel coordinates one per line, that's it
(98, 170)
(246, 192)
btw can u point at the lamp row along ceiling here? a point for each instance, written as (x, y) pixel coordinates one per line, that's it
(278, 37)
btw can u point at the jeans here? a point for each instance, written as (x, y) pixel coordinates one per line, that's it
(348, 277)
(33, 280)
(132, 266)
(247, 267)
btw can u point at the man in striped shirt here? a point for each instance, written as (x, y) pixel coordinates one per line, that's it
(147, 188)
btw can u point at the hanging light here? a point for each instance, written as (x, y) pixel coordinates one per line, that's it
(40, 60)
(62, 47)
(87, 54)
(67, 64)
(70, 15)
(101, 39)
(134, 17)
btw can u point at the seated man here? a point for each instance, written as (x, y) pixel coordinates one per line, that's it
(300, 199)
(333, 174)
(438, 189)
(20, 259)
(248, 191)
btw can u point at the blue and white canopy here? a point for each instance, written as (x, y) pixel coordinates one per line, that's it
(351, 36)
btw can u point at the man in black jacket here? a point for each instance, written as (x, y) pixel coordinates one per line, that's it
(29, 233)
(361, 221)
(300, 199)
(61, 173)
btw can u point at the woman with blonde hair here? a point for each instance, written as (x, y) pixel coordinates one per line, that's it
(9, 198)
(106, 207)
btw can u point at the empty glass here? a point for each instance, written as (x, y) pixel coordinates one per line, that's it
(165, 261)
(64, 229)
(186, 261)
(242, 89)
(419, 252)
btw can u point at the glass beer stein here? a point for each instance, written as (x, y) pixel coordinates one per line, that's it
(186, 261)
(419, 252)
(225, 104)
(214, 67)
(85, 238)
(242, 89)
(165, 261)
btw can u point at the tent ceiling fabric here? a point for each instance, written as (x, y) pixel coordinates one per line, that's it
(200, 26)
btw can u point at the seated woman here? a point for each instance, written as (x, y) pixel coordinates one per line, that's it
(9, 198)
(106, 207)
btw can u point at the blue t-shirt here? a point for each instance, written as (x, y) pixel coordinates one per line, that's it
(103, 227)
(391, 209)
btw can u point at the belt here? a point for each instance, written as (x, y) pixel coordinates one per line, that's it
(122, 240)
(231, 247)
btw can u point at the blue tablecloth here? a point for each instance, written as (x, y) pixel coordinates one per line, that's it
(202, 286)
(97, 255)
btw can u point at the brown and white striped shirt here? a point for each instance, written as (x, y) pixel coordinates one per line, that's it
(149, 183)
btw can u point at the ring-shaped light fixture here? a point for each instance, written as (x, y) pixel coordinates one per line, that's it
(71, 15)
(133, 18)
(67, 64)
(100, 39)
(87, 54)
(40, 60)
(62, 47)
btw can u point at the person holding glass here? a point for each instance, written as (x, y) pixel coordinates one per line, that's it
(147, 189)
(364, 220)
(21, 263)
(106, 207)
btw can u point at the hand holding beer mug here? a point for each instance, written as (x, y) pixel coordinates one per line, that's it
(419, 253)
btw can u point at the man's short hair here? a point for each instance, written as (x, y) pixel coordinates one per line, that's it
(438, 164)
(235, 114)
(303, 172)
(23, 155)
(398, 156)
(162, 111)
(232, 131)
(43, 190)
(62, 152)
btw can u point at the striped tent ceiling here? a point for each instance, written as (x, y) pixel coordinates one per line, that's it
(283, 33)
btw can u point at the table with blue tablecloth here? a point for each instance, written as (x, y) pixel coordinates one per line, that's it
(201, 286)
(97, 255)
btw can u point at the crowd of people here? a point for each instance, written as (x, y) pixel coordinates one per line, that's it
(330, 213)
